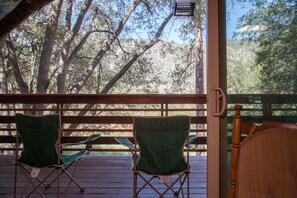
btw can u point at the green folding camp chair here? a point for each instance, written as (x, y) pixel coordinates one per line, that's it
(159, 152)
(40, 137)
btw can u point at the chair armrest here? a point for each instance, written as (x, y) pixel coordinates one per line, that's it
(125, 142)
(192, 142)
(86, 141)
(192, 139)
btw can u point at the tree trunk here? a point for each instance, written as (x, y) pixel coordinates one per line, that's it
(13, 60)
(47, 49)
(3, 79)
(70, 35)
(199, 67)
(198, 51)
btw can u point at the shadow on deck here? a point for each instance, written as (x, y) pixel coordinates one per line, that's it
(103, 176)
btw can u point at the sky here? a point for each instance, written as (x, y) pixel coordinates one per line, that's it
(234, 12)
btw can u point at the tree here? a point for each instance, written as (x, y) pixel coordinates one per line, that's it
(47, 48)
(89, 46)
(3, 82)
(241, 76)
(81, 39)
(193, 54)
(272, 26)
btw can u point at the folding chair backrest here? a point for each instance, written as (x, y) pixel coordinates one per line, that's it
(39, 136)
(161, 141)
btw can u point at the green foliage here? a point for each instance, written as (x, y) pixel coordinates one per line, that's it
(276, 48)
(242, 78)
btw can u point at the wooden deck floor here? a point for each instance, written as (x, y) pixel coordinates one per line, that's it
(103, 176)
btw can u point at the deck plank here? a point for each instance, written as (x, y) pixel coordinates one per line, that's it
(103, 176)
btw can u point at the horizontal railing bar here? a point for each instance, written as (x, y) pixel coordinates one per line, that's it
(103, 98)
(7, 129)
(100, 119)
(103, 130)
(103, 110)
(114, 130)
(106, 150)
(270, 109)
(262, 98)
(260, 119)
(116, 119)
(127, 150)
(100, 140)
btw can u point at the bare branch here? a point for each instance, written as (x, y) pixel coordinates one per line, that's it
(120, 45)
(69, 14)
(112, 82)
(147, 6)
(82, 42)
(184, 70)
(105, 17)
(76, 88)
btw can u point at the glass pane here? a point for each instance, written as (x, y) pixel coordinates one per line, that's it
(261, 59)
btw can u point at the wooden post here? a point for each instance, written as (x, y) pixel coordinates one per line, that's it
(235, 151)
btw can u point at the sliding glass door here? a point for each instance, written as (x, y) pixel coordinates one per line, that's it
(261, 59)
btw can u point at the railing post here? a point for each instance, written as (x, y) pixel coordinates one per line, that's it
(166, 105)
(164, 109)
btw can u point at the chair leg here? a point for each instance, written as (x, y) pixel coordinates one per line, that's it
(181, 186)
(135, 185)
(186, 177)
(24, 170)
(15, 180)
(181, 178)
(82, 189)
(15, 166)
(42, 181)
(188, 185)
(147, 182)
(58, 182)
(60, 174)
(170, 187)
(72, 179)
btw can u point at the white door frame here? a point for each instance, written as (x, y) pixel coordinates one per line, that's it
(216, 78)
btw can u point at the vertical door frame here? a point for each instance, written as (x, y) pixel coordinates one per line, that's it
(216, 78)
